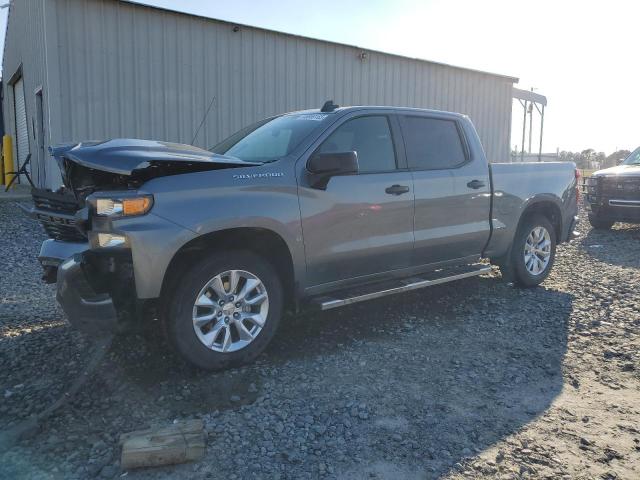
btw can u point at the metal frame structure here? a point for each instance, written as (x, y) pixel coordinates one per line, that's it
(528, 99)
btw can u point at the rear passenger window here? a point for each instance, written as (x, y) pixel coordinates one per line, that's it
(432, 143)
(370, 138)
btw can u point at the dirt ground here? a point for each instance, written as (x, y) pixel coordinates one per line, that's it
(476, 379)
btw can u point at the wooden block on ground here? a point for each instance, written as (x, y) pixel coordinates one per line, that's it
(177, 443)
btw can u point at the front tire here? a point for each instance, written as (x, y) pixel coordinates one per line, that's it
(224, 310)
(600, 223)
(533, 252)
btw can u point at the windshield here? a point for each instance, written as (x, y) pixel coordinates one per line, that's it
(269, 139)
(633, 158)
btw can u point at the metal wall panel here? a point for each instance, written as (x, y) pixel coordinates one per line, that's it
(24, 58)
(125, 70)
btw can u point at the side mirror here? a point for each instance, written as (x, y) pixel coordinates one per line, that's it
(323, 166)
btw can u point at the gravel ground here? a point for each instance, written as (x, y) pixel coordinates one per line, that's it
(468, 380)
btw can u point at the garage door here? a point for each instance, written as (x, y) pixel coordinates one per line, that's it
(22, 131)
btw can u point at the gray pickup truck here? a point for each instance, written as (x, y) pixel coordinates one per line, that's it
(311, 209)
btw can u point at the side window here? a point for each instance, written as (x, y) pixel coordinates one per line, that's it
(370, 138)
(432, 143)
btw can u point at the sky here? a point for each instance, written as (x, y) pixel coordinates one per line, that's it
(579, 54)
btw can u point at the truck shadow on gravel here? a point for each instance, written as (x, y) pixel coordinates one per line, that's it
(626, 238)
(436, 376)
(445, 372)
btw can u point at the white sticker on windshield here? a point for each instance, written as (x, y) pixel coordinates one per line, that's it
(316, 117)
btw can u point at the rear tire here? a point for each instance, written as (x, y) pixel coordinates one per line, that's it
(600, 223)
(215, 324)
(533, 252)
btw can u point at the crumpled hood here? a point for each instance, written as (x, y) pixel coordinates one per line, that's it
(620, 170)
(124, 156)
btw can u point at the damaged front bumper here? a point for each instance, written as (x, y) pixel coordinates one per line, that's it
(108, 270)
(82, 281)
(53, 253)
(90, 312)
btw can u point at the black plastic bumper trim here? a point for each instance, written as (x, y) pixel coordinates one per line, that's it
(88, 311)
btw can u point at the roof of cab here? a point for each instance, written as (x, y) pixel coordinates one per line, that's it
(352, 108)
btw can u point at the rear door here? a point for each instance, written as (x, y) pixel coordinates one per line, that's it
(362, 224)
(452, 190)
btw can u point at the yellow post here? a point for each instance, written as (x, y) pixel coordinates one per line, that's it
(7, 155)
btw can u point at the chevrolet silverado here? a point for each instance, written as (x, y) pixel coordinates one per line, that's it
(310, 209)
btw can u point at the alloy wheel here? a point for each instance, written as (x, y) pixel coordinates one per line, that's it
(230, 311)
(537, 250)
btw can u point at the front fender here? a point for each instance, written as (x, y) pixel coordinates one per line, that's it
(153, 240)
(208, 202)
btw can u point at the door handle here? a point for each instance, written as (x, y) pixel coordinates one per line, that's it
(475, 184)
(397, 189)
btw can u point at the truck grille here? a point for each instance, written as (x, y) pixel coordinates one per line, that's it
(621, 188)
(56, 213)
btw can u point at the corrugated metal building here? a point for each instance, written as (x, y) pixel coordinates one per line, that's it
(95, 69)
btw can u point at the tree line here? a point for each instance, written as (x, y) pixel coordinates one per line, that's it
(589, 158)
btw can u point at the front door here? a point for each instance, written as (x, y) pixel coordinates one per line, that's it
(360, 224)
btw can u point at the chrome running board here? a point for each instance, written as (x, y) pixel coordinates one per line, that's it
(434, 278)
